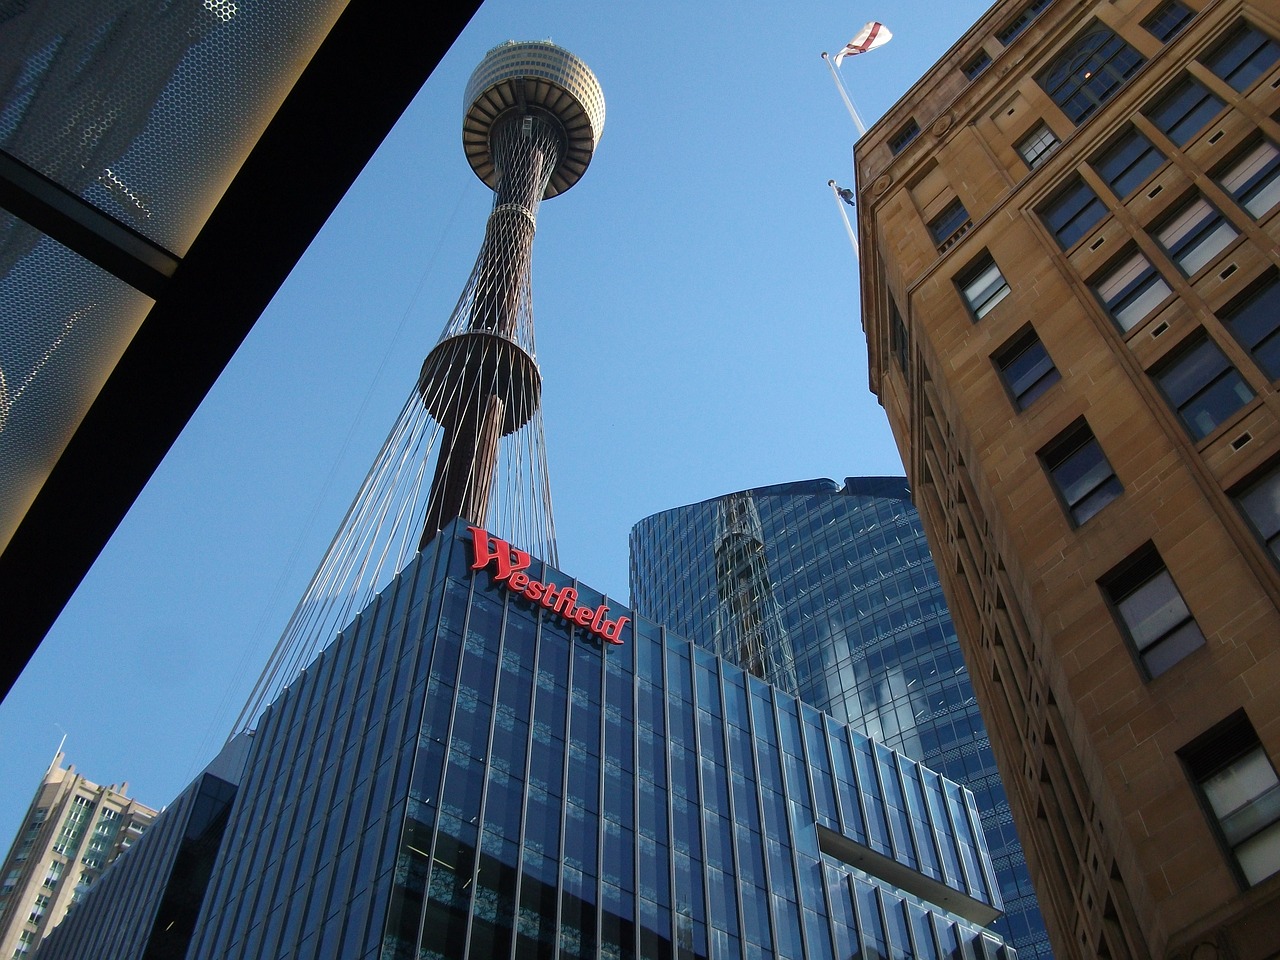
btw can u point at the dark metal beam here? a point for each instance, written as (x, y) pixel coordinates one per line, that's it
(80, 226)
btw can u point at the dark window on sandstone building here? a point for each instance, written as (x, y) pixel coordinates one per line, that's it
(949, 225)
(1072, 212)
(973, 69)
(1081, 472)
(1026, 368)
(1127, 162)
(1202, 386)
(1167, 21)
(1152, 612)
(1254, 320)
(908, 132)
(1183, 110)
(1244, 55)
(1239, 785)
(1259, 501)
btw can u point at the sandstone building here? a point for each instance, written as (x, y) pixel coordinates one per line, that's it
(1070, 234)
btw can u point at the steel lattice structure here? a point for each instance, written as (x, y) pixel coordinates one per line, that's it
(469, 441)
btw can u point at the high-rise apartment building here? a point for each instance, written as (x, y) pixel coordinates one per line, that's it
(830, 593)
(1071, 297)
(72, 831)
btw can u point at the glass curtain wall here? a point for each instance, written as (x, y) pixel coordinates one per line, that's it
(462, 773)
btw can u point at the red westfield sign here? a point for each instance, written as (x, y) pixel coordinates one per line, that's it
(509, 566)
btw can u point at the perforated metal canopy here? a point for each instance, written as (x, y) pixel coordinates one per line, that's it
(140, 144)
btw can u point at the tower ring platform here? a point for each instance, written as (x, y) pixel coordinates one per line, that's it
(534, 76)
(467, 367)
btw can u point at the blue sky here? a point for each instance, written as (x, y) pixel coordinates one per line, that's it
(696, 305)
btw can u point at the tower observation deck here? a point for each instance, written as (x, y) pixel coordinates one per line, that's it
(469, 440)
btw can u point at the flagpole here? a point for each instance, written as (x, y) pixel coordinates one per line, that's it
(848, 228)
(844, 95)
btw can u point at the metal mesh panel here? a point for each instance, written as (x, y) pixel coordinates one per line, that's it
(145, 108)
(61, 316)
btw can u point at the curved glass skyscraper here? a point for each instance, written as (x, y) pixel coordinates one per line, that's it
(830, 592)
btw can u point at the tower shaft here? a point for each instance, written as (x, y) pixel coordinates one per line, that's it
(481, 383)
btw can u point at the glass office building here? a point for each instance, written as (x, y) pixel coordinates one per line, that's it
(469, 772)
(831, 592)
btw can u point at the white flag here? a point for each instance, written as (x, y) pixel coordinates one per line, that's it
(873, 35)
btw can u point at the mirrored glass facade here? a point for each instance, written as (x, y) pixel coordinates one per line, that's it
(839, 582)
(463, 773)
